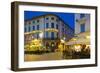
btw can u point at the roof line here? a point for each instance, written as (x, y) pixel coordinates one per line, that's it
(50, 14)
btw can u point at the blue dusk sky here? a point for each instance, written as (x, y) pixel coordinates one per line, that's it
(68, 18)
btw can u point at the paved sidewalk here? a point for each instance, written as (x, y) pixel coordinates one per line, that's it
(43, 57)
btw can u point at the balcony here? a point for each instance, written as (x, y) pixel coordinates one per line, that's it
(51, 30)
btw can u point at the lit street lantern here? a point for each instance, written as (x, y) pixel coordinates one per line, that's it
(41, 35)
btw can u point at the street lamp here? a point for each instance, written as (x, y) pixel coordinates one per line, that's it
(64, 38)
(41, 35)
(62, 41)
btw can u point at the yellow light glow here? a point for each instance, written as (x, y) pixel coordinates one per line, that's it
(77, 48)
(41, 35)
(26, 46)
(74, 39)
(50, 29)
(87, 47)
(87, 37)
(36, 42)
(36, 31)
(62, 41)
(60, 47)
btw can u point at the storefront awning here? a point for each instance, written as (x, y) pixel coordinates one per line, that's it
(83, 38)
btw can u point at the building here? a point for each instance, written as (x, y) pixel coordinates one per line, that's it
(49, 28)
(81, 40)
(82, 23)
(82, 30)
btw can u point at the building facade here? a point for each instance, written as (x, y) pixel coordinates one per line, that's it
(49, 28)
(82, 23)
(80, 43)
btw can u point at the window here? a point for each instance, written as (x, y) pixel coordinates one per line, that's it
(29, 22)
(37, 35)
(38, 21)
(57, 35)
(33, 27)
(47, 25)
(52, 35)
(76, 20)
(25, 30)
(57, 19)
(52, 18)
(82, 15)
(56, 26)
(33, 36)
(62, 29)
(47, 18)
(52, 25)
(29, 28)
(37, 27)
(33, 22)
(46, 34)
(69, 32)
(82, 28)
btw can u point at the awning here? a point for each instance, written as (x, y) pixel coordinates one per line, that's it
(83, 38)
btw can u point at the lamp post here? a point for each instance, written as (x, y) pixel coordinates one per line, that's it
(63, 42)
(41, 36)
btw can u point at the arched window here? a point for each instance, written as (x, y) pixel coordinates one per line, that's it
(52, 18)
